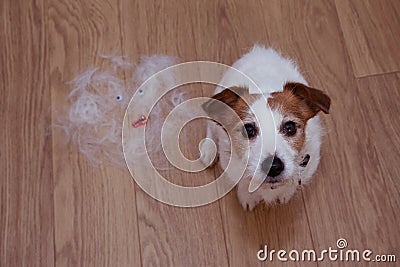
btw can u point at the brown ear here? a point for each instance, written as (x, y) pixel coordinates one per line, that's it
(315, 99)
(228, 97)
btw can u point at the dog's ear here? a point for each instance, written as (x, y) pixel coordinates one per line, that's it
(221, 103)
(315, 99)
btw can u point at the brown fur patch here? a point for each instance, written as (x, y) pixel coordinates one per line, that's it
(236, 98)
(298, 103)
(315, 99)
(239, 100)
(293, 109)
(288, 103)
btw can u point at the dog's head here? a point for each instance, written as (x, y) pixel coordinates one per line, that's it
(290, 108)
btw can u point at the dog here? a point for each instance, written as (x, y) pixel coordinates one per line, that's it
(295, 108)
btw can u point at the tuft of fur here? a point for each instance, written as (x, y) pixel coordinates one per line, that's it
(96, 105)
(150, 65)
(269, 70)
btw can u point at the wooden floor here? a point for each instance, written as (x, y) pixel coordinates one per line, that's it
(56, 210)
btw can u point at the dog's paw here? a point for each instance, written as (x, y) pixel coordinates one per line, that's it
(283, 200)
(286, 196)
(249, 205)
(208, 153)
(248, 201)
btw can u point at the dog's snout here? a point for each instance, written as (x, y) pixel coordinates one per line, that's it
(276, 167)
(273, 169)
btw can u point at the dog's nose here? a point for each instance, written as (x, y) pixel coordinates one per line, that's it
(273, 169)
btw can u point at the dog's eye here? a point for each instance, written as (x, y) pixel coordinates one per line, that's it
(289, 128)
(249, 130)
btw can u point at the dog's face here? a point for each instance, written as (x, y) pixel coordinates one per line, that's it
(287, 121)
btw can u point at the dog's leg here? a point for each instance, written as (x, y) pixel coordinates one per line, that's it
(247, 200)
(287, 193)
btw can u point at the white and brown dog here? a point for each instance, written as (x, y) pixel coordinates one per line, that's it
(294, 107)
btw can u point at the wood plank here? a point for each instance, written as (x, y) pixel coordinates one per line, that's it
(379, 95)
(26, 182)
(371, 32)
(95, 210)
(172, 236)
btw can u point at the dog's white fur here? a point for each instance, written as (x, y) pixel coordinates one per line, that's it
(270, 72)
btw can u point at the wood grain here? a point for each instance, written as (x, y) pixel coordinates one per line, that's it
(371, 30)
(26, 181)
(95, 211)
(56, 209)
(383, 139)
